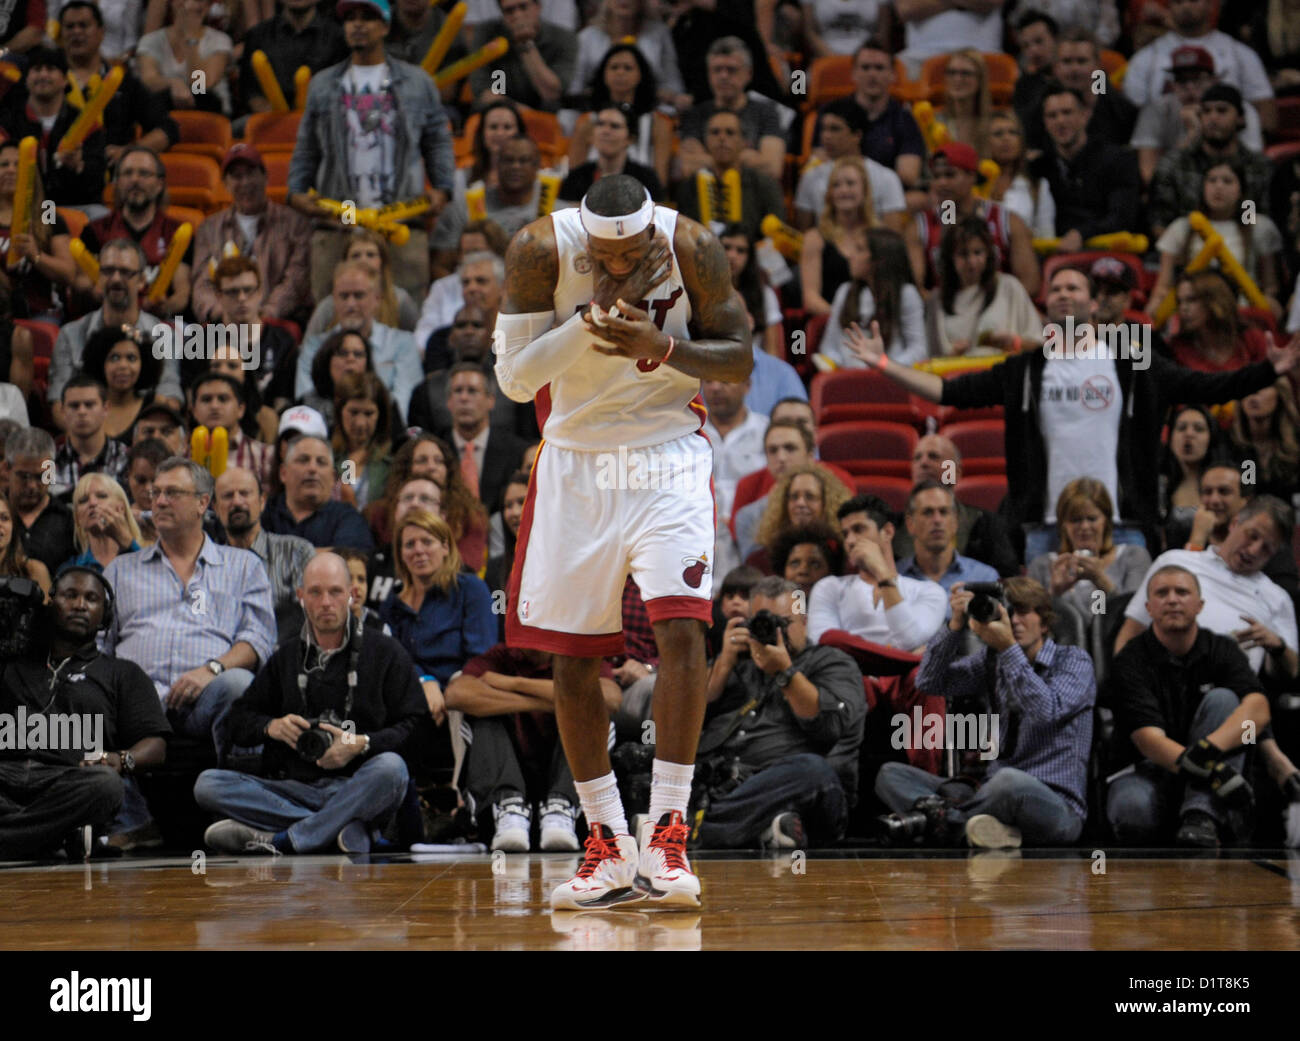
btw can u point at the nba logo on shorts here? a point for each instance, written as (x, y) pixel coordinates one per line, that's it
(523, 610)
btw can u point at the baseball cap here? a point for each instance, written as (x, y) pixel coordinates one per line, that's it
(1112, 271)
(242, 153)
(378, 6)
(157, 408)
(1224, 92)
(1189, 58)
(958, 154)
(304, 420)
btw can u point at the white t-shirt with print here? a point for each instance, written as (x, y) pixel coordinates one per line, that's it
(1079, 410)
(371, 115)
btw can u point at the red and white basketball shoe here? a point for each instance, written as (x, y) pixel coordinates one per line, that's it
(664, 875)
(605, 877)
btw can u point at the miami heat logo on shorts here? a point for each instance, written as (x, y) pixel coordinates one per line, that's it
(694, 570)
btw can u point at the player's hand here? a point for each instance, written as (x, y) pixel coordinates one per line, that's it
(629, 335)
(653, 270)
(870, 348)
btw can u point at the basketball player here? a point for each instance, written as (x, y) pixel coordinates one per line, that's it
(613, 313)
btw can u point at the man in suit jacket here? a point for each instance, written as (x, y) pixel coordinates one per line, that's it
(488, 455)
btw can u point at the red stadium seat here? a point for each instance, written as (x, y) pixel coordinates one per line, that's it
(978, 438)
(272, 131)
(864, 442)
(290, 327)
(828, 79)
(985, 492)
(980, 466)
(1085, 258)
(862, 394)
(948, 415)
(894, 490)
(202, 133)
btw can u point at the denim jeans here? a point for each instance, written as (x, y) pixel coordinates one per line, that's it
(1144, 806)
(806, 784)
(313, 812)
(1046, 538)
(209, 715)
(1012, 796)
(41, 803)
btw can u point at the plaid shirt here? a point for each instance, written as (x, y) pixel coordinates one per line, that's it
(638, 633)
(1176, 186)
(69, 469)
(252, 455)
(1043, 707)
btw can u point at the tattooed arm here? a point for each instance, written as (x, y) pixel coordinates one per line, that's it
(719, 348)
(532, 269)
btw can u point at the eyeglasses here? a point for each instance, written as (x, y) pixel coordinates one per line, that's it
(163, 494)
(238, 292)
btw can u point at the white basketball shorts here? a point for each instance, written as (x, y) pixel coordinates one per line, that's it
(592, 518)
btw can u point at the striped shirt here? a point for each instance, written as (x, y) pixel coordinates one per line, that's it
(167, 627)
(1043, 707)
(284, 556)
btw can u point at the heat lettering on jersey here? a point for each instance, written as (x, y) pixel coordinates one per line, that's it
(658, 311)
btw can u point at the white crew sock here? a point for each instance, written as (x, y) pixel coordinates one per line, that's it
(602, 803)
(670, 788)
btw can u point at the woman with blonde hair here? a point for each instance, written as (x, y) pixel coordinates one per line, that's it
(104, 527)
(442, 616)
(1089, 559)
(966, 104)
(396, 308)
(823, 266)
(806, 495)
(1264, 430)
(14, 561)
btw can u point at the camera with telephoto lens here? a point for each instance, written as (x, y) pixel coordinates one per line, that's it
(314, 743)
(927, 820)
(21, 605)
(988, 596)
(764, 626)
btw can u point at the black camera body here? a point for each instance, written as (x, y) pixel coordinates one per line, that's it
(22, 604)
(764, 626)
(315, 742)
(988, 596)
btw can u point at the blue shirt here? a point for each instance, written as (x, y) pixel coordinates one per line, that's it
(772, 380)
(962, 569)
(87, 558)
(334, 524)
(449, 629)
(168, 628)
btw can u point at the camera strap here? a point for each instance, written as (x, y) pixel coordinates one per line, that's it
(354, 661)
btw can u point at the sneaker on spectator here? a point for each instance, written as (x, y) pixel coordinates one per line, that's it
(558, 832)
(785, 832)
(664, 873)
(985, 831)
(1198, 830)
(354, 838)
(605, 877)
(513, 820)
(229, 836)
(80, 843)
(146, 836)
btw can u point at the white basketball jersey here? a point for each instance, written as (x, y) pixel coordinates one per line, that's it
(603, 402)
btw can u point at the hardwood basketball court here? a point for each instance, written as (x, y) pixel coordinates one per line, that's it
(849, 900)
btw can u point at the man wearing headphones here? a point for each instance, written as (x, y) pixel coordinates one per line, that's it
(83, 724)
(332, 768)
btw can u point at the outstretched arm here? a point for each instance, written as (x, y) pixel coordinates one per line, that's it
(719, 348)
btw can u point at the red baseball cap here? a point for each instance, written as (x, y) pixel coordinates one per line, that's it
(242, 153)
(958, 154)
(1191, 59)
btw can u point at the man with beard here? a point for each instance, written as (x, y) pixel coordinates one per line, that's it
(72, 178)
(273, 236)
(121, 279)
(305, 508)
(239, 504)
(1176, 186)
(140, 215)
(46, 793)
(470, 341)
(1190, 703)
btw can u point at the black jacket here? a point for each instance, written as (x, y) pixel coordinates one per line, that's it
(1016, 385)
(1097, 192)
(387, 705)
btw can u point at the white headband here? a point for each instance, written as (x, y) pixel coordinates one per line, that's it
(618, 227)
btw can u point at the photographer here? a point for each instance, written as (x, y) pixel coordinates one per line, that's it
(47, 793)
(786, 724)
(331, 760)
(1040, 696)
(1191, 706)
